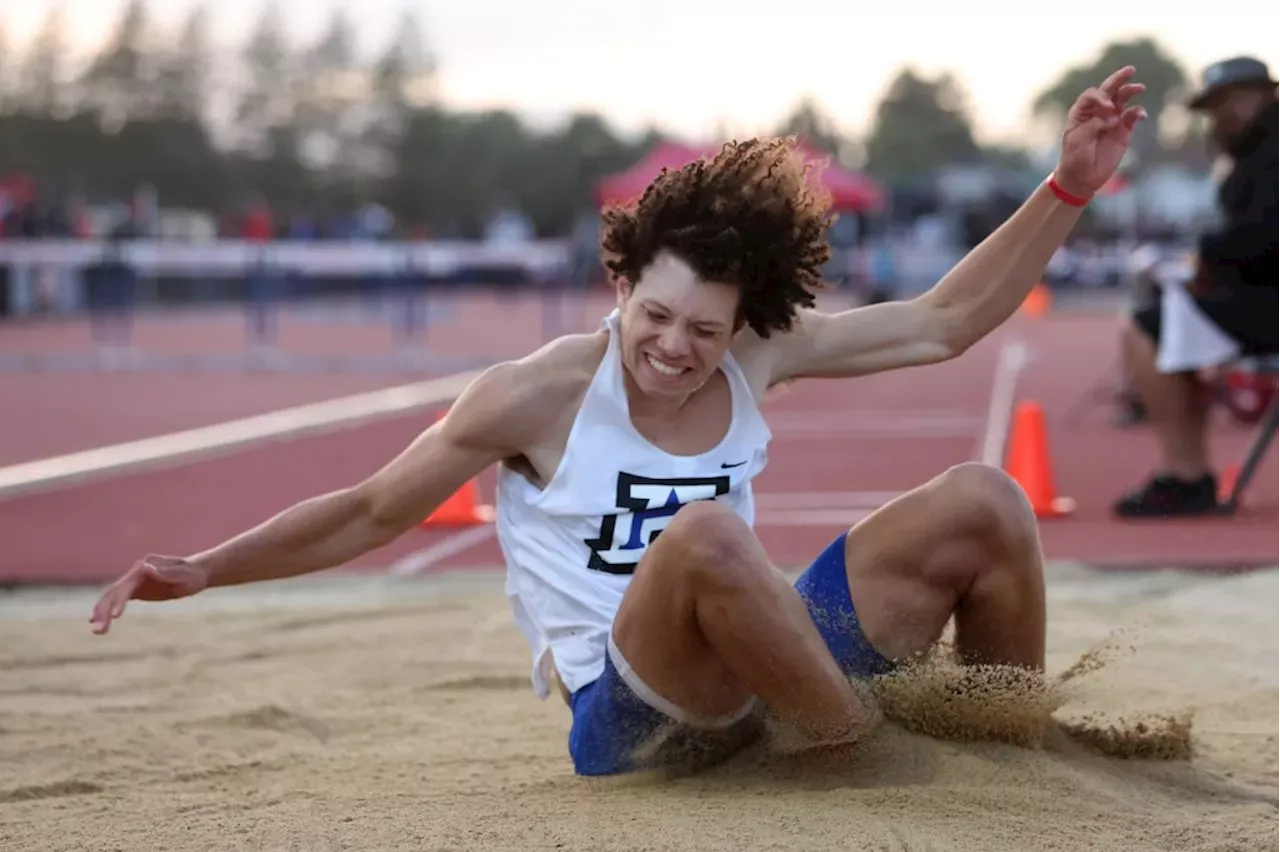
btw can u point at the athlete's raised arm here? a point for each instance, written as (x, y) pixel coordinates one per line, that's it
(486, 424)
(989, 284)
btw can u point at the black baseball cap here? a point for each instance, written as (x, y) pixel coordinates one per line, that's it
(1236, 71)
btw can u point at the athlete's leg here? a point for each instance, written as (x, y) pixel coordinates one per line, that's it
(708, 623)
(965, 543)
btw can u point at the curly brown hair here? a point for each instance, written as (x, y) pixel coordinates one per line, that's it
(748, 216)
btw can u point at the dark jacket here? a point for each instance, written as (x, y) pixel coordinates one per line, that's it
(1244, 250)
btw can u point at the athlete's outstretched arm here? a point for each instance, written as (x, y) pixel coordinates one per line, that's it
(483, 427)
(989, 284)
(334, 528)
(976, 296)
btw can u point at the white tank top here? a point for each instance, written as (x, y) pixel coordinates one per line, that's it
(572, 546)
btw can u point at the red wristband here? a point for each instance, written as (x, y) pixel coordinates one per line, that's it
(1064, 196)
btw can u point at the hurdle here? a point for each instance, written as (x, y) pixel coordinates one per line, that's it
(105, 284)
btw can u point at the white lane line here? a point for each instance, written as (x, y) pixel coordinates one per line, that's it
(433, 554)
(1004, 386)
(208, 440)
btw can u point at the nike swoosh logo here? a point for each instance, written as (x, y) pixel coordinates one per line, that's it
(727, 466)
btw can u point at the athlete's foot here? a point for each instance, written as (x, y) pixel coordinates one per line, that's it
(788, 737)
(1168, 496)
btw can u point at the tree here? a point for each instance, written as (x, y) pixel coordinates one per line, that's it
(446, 169)
(404, 79)
(920, 125)
(1007, 157)
(267, 144)
(564, 167)
(4, 71)
(182, 75)
(41, 75)
(265, 114)
(330, 89)
(405, 75)
(808, 121)
(116, 85)
(1163, 75)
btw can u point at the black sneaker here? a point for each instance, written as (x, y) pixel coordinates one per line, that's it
(1166, 496)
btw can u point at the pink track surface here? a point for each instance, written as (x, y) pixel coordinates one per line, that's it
(839, 447)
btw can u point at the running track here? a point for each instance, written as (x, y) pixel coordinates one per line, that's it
(840, 448)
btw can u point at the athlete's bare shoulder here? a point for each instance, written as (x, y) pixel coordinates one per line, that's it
(571, 358)
(759, 356)
(523, 403)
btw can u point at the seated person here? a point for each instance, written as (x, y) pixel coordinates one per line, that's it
(1234, 286)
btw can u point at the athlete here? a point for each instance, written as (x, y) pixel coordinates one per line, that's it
(652, 425)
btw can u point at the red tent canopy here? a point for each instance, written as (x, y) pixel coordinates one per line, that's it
(849, 190)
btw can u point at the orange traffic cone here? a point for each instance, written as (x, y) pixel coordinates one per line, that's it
(1038, 301)
(462, 509)
(1027, 461)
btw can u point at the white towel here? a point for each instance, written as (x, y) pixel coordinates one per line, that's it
(1188, 339)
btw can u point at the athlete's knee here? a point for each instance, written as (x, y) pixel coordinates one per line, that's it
(986, 505)
(707, 542)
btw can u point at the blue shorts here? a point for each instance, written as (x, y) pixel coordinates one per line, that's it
(619, 725)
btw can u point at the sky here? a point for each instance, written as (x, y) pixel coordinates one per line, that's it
(692, 66)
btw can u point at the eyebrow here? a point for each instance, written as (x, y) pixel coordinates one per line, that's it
(714, 325)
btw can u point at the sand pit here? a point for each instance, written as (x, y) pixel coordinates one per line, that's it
(374, 714)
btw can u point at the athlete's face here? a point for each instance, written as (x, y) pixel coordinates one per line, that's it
(675, 327)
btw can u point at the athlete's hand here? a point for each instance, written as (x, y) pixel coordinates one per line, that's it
(1099, 128)
(153, 578)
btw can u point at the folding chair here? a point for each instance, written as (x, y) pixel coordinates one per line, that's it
(1263, 435)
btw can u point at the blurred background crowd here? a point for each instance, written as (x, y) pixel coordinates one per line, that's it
(310, 126)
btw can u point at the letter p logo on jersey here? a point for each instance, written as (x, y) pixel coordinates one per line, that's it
(648, 506)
